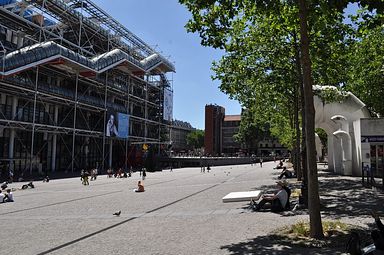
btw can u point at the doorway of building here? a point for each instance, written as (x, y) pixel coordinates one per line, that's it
(377, 162)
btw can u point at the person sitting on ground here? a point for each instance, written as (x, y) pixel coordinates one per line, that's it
(278, 200)
(2, 197)
(280, 165)
(4, 185)
(118, 173)
(378, 235)
(140, 187)
(46, 179)
(8, 196)
(289, 192)
(286, 173)
(29, 185)
(109, 172)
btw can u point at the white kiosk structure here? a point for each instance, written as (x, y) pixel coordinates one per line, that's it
(341, 121)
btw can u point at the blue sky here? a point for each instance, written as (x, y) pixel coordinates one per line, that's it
(161, 22)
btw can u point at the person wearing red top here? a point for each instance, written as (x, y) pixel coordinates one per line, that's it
(140, 187)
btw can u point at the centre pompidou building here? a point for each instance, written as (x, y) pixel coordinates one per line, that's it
(78, 89)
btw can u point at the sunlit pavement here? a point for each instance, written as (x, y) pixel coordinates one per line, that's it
(181, 212)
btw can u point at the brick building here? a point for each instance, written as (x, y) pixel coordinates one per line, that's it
(220, 130)
(214, 116)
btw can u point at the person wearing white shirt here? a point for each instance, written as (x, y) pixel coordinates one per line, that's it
(8, 196)
(2, 197)
(278, 200)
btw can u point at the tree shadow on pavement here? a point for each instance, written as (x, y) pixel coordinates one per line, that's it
(341, 197)
(346, 197)
(279, 244)
(274, 245)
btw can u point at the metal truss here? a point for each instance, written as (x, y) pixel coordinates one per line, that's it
(83, 35)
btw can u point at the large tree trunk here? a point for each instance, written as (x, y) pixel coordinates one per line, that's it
(298, 88)
(304, 186)
(316, 229)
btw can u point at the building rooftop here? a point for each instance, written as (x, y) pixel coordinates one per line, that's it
(183, 124)
(232, 117)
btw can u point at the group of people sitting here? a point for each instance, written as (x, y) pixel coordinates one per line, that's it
(6, 197)
(285, 172)
(6, 194)
(119, 173)
(279, 201)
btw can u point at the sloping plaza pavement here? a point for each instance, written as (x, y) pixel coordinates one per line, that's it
(181, 212)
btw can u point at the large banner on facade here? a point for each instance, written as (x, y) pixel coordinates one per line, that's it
(123, 130)
(168, 105)
(117, 125)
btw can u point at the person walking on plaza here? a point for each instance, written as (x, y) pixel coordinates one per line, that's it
(144, 174)
(261, 162)
(252, 159)
(202, 167)
(93, 174)
(84, 177)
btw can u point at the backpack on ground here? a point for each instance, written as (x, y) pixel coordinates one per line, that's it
(353, 245)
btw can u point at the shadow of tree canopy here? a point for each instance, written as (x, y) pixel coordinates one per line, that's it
(274, 245)
(341, 197)
(277, 244)
(346, 197)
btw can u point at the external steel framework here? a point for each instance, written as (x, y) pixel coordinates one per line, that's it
(66, 66)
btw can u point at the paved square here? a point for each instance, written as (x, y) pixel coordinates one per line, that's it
(181, 212)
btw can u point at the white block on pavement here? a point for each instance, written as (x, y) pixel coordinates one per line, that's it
(242, 196)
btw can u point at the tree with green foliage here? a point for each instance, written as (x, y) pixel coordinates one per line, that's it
(322, 136)
(195, 139)
(250, 133)
(366, 76)
(271, 46)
